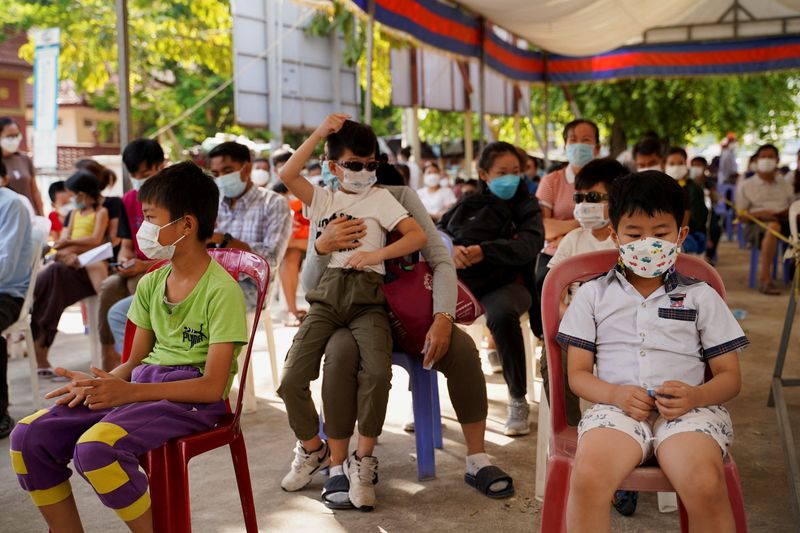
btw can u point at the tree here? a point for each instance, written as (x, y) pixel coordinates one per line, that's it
(179, 50)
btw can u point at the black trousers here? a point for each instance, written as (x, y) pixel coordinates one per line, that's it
(9, 313)
(504, 307)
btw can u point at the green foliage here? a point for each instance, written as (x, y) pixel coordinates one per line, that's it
(179, 50)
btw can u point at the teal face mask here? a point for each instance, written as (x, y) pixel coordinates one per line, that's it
(504, 187)
(578, 154)
(330, 181)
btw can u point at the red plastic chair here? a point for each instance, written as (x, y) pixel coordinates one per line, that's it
(168, 467)
(563, 439)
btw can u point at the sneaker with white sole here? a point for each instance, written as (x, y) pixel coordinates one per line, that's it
(518, 422)
(494, 361)
(363, 476)
(305, 465)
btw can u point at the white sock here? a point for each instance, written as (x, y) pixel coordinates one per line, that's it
(337, 470)
(477, 461)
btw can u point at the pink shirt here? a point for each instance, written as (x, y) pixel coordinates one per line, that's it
(555, 193)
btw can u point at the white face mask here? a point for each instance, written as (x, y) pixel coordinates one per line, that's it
(231, 185)
(645, 169)
(766, 165)
(11, 144)
(677, 172)
(358, 182)
(649, 257)
(259, 176)
(64, 209)
(590, 215)
(136, 184)
(431, 179)
(147, 238)
(444, 182)
(695, 172)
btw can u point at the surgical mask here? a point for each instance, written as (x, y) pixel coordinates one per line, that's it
(590, 215)
(74, 204)
(578, 154)
(329, 179)
(136, 184)
(360, 181)
(766, 165)
(444, 182)
(147, 239)
(654, 167)
(677, 172)
(64, 210)
(260, 176)
(11, 144)
(649, 257)
(504, 187)
(695, 172)
(431, 180)
(231, 184)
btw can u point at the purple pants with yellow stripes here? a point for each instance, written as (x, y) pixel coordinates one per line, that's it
(105, 445)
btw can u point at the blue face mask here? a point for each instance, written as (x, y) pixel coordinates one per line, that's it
(578, 154)
(231, 185)
(504, 187)
(330, 181)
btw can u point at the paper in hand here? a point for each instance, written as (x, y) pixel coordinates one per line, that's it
(95, 255)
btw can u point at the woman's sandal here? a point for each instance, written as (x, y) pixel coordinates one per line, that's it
(486, 477)
(336, 485)
(770, 289)
(47, 373)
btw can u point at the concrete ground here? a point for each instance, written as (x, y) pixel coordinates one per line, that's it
(445, 503)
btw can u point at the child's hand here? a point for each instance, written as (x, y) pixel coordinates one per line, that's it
(634, 401)
(675, 398)
(106, 391)
(70, 394)
(331, 124)
(361, 260)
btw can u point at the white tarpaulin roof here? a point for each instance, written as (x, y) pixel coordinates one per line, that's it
(586, 27)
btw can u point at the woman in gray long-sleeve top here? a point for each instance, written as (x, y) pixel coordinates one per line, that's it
(451, 352)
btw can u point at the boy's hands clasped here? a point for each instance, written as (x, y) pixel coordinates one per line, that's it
(672, 399)
(103, 392)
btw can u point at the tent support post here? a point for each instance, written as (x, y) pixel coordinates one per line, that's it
(370, 49)
(468, 155)
(546, 105)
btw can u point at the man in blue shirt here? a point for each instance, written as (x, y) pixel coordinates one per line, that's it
(16, 253)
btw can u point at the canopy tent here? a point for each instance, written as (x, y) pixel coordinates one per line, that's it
(675, 38)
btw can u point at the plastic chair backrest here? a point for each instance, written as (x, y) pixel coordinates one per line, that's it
(38, 237)
(584, 267)
(236, 262)
(448, 241)
(794, 212)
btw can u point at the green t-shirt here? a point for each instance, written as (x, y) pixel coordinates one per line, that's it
(214, 312)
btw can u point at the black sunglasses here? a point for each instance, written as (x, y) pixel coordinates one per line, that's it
(592, 197)
(358, 166)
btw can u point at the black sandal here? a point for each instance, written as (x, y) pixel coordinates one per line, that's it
(336, 485)
(486, 477)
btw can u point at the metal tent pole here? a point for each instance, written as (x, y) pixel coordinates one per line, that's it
(123, 84)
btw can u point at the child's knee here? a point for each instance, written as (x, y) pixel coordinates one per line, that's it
(27, 435)
(95, 458)
(706, 486)
(588, 478)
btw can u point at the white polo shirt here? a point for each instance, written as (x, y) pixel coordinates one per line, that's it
(670, 335)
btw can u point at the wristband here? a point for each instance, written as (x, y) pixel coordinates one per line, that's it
(448, 316)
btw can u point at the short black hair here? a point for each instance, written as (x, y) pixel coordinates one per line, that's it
(495, 149)
(85, 182)
(387, 174)
(699, 159)
(141, 151)
(648, 146)
(55, 187)
(280, 188)
(766, 147)
(677, 150)
(647, 192)
(235, 151)
(3, 170)
(184, 189)
(577, 122)
(7, 121)
(358, 138)
(281, 156)
(405, 151)
(311, 167)
(605, 170)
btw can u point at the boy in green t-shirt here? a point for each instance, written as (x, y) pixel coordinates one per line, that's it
(190, 318)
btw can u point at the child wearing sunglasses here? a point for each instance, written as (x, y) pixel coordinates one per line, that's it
(348, 295)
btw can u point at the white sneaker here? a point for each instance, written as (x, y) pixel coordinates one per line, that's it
(518, 422)
(494, 361)
(363, 476)
(304, 466)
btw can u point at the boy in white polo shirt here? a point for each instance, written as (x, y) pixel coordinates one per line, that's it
(348, 295)
(651, 332)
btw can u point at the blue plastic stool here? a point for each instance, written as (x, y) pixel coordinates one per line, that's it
(755, 254)
(427, 413)
(740, 233)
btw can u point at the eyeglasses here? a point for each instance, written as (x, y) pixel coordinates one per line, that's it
(592, 197)
(358, 166)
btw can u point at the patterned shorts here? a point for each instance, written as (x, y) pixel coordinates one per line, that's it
(714, 421)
